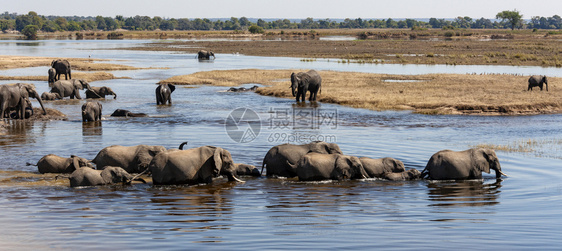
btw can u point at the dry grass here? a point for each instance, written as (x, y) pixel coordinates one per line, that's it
(428, 94)
(88, 76)
(79, 64)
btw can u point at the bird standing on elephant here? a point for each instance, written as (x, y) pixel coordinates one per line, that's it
(164, 94)
(91, 111)
(462, 165)
(537, 81)
(306, 81)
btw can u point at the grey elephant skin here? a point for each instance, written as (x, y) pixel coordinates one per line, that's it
(535, 81)
(246, 170)
(278, 158)
(100, 92)
(16, 96)
(50, 96)
(375, 168)
(61, 66)
(205, 55)
(91, 111)
(462, 165)
(164, 94)
(126, 113)
(412, 174)
(86, 176)
(192, 166)
(306, 81)
(70, 88)
(134, 159)
(52, 76)
(318, 167)
(51, 163)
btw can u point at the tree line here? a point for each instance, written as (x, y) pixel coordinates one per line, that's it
(505, 20)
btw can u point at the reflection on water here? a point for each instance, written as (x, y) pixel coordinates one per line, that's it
(464, 193)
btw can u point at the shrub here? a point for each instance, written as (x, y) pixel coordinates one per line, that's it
(30, 32)
(254, 29)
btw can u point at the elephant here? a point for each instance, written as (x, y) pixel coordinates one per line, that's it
(52, 74)
(100, 92)
(462, 165)
(70, 88)
(375, 168)
(412, 174)
(127, 113)
(51, 163)
(205, 55)
(279, 158)
(61, 66)
(91, 111)
(306, 81)
(245, 169)
(192, 166)
(134, 159)
(86, 176)
(16, 96)
(243, 89)
(537, 81)
(50, 96)
(164, 93)
(14, 114)
(319, 166)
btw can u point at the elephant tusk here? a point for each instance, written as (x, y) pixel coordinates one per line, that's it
(502, 173)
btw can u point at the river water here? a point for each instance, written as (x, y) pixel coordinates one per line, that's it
(521, 211)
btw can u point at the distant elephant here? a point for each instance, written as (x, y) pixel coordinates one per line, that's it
(537, 81)
(468, 164)
(134, 159)
(100, 92)
(243, 89)
(278, 158)
(375, 168)
(245, 169)
(61, 66)
(52, 74)
(192, 166)
(70, 88)
(51, 163)
(127, 113)
(86, 176)
(164, 93)
(306, 81)
(319, 166)
(50, 96)
(16, 96)
(91, 111)
(206, 55)
(412, 174)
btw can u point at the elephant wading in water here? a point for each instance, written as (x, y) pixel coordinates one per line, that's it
(376, 168)
(16, 96)
(86, 176)
(70, 88)
(468, 164)
(100, 92)
(51, 163)
(318, 166)
(61, 66)
(52, 76)
(279, 159)
(50, 96)
(412, 174)
(537, 81)
(192, 166)
(164, 94)
(306, 81)
(134, 159)
(91, 111)
(205, 55)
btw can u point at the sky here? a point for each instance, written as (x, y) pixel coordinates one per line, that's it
(290, 9)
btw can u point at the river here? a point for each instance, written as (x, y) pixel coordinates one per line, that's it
(38, 213)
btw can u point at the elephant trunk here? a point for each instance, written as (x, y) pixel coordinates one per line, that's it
(293, 89)
(114, 95)
(40, 102)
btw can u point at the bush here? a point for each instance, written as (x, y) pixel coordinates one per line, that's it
(30, 32)
(254, 29)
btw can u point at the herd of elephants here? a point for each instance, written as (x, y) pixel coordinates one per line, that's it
(315, 161)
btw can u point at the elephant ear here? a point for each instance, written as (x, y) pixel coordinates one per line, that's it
(217, 157)
(172, 87)
(483, 162)
(75, 162)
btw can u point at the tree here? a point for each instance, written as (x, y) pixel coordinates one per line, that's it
(512, 17)
(254, 29)
(30, 32)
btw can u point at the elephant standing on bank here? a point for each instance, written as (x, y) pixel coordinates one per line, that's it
(70, 88)
(16, 96)
(50, 96)
(86, 176)
(164, 94)
(306, 81)
(376, 168)
(537, 81)
(134, 159)
(205, 55)
(51, 163)
(192, 166)
(52, 76)
(100, 92)
(91, 111)
(279, 159)
(468, 164)
(61, 66)
(318, 166)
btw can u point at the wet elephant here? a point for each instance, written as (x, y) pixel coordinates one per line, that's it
(70, 88)
(100, 92)
(412, 174)
(462, 165)
(127, 113)
(134, 159)
(52, 76)
(61, 66)
(86, 176)
(91, 111)
(306, 81)
(205, 55)
(318, 166)
(50, 96)
(164, 94)
(16, 96)
(51, 163)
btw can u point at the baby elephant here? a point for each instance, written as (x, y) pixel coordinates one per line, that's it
(318, 166)
(164, 94)
(412, 174)
(468, 164)
(100, 92)
(537, 81)
(55, 164)
(50, 96)
(377, 167)
(91, 111)
(127, 113)
(110, 175)
(245, 169)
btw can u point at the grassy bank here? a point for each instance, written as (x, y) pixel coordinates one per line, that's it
(427, 94)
